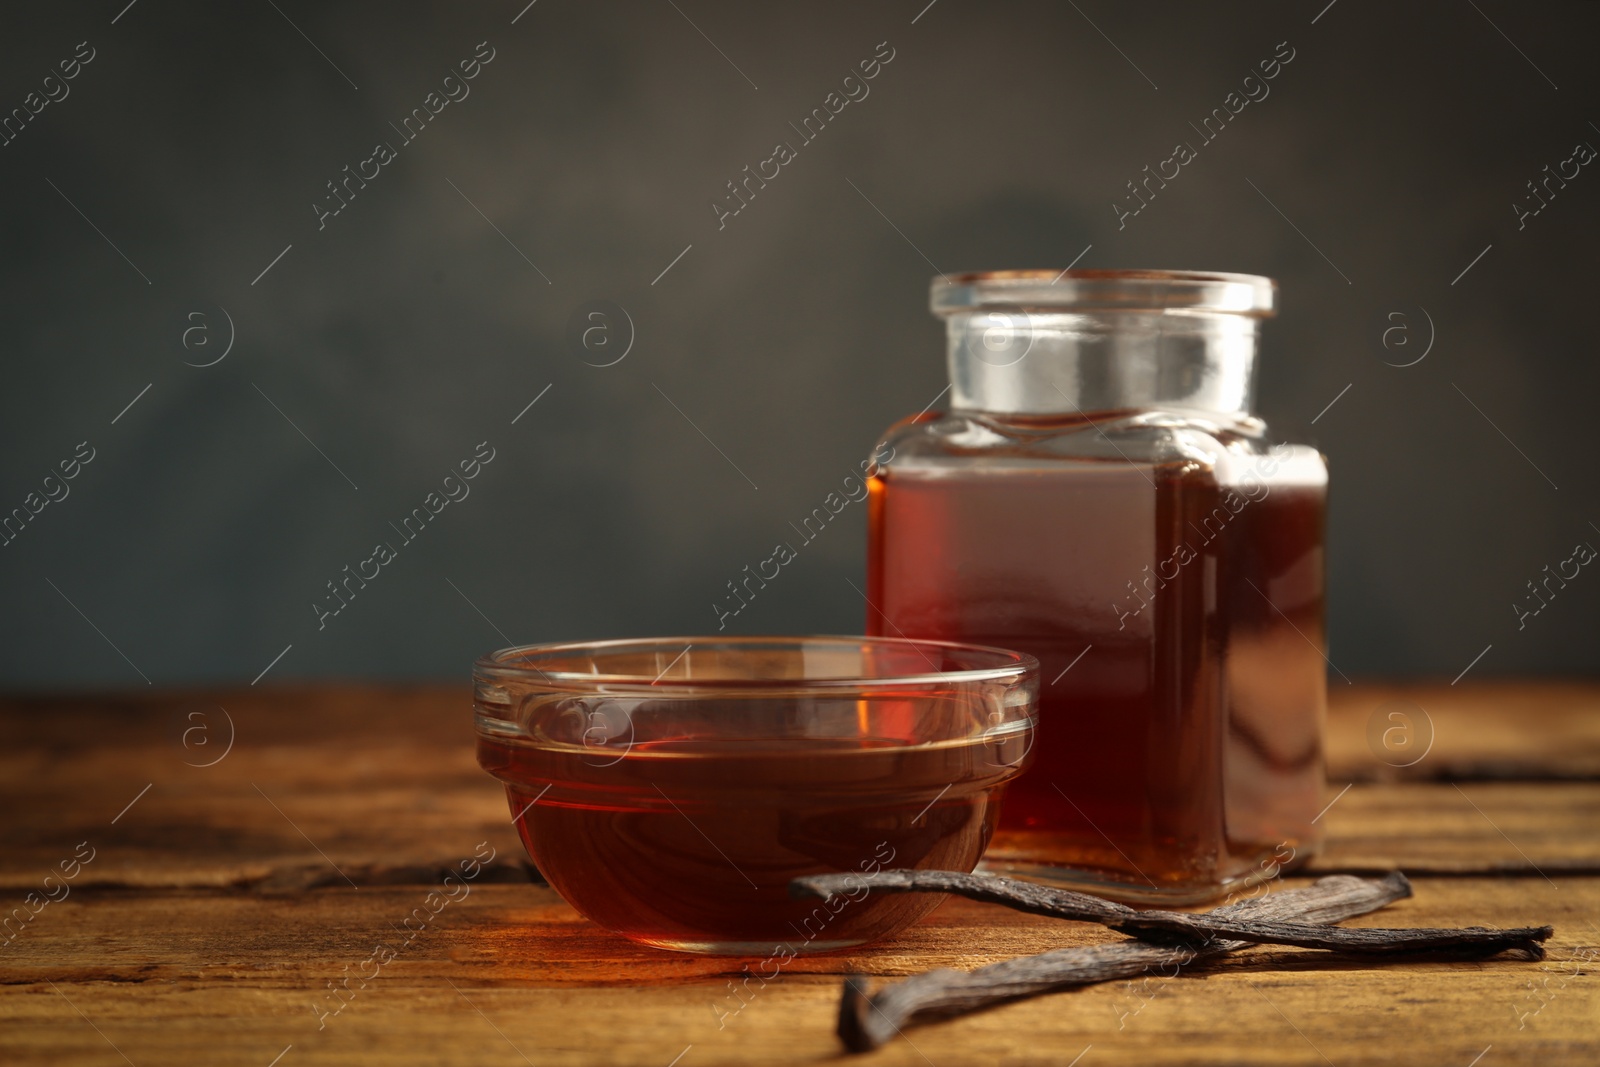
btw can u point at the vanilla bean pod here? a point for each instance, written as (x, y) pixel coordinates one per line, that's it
(865, 1022)
(1167, 927)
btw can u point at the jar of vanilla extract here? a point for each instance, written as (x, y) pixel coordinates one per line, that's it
(1101, 496)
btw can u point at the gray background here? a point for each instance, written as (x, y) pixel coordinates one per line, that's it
(409, 330)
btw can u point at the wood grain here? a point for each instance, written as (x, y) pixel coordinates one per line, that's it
(216, 909)
(230, 977)
(1480, 731)
(385, 783)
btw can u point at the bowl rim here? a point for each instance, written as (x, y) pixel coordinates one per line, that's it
(493, 667)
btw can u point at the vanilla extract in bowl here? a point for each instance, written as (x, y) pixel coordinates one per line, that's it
(679, 817)
(693, 843)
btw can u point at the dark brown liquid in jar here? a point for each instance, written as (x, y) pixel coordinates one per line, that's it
(1178, 622)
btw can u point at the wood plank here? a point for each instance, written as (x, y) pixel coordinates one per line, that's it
(1419, 827)
(199, 933)
(228, 977)
(1499, 729)
(383, 780)
(1479, 730)
(383, 819)
(384, 783)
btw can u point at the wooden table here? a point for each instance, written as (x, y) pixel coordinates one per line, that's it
(222, 902)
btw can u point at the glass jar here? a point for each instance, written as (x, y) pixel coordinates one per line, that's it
(1100, 496)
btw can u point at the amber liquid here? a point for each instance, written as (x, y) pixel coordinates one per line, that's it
(691, 843)
(1179, 739)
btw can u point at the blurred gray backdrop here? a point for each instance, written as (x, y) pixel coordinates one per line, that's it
(172, 196)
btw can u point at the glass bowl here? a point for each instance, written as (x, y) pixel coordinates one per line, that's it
(669, 788)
